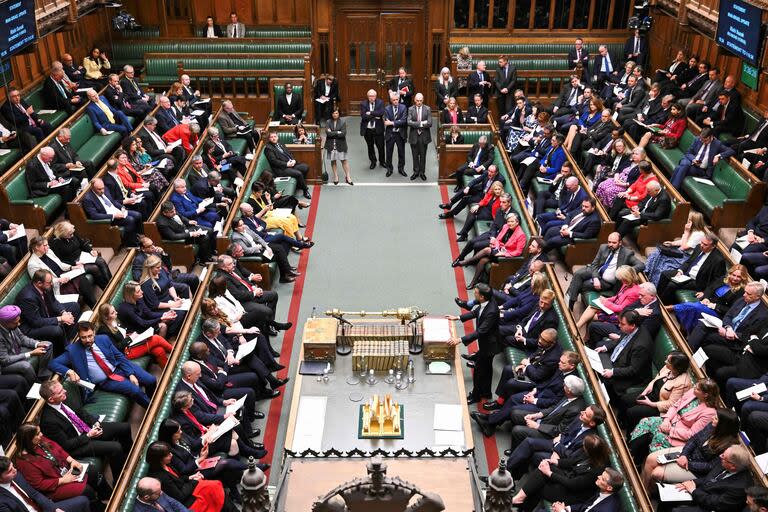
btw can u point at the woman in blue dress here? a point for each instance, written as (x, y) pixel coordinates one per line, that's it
(661, 260)
(716, 300)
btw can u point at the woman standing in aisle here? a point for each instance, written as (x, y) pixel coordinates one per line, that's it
(336, 145)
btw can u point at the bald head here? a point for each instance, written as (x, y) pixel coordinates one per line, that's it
(246, 209)
(190, 369)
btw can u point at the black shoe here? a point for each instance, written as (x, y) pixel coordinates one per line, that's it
(461, 303)
(264, 467)
(492, 406)
(373, 165)
(274, 352)
(461, 238)
(469, 357)
(258, 415)
(307, 195)
(423, 177)
(444, 206)
(282, 326)
(401, 172)
(287, 279)
(271, 331)
(256, 433)
(455, 263)
(470, 364)
(446, 215)
(269, 394)
(382, 164)
(276, 367)
(414, 176)
(508, 452)
(280, 382)
(389, 173)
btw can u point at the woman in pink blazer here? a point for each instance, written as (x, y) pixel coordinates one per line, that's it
(694, 411)
(509, 243)
(628, 293)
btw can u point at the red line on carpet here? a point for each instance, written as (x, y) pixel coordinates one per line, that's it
(276, 405)
(491, 450)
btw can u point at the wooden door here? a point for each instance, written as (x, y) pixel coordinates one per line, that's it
(371, 46)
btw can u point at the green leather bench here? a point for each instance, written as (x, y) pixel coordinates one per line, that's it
(133, 51)
(267, 33)
(18, 194)
(35, 98)
(165, 70)
(528, 48)
(10, 158)
(91, 145)
(472, 136)
(10, 296)
(729, 186)
(146, 32)
(667, 159)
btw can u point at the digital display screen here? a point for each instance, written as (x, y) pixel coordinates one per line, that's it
(17, 26)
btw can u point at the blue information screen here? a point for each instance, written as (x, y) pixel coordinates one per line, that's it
(17, 26)
(738, 30)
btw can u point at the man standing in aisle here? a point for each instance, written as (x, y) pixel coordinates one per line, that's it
(396, 123)
(420, 122)
(372, 127)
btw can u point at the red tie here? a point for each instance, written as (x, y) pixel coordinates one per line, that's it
(105, 367)
(201, 395)
(29, 501)
(244, 282)
(196, 423)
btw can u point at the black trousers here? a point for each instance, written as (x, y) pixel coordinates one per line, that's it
(396, 140)
(375, 142)
(298, 172)
(114, 445)
(419, 152)
(483, 376)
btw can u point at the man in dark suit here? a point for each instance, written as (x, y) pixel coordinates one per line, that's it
(290, 107)
(647, 306)
(472, 193)
(568, 99)
(478, 82)
(704, 266)
(607, 499)
(403, 86)
(504, 80)
(697, 79)
(534, 370)
(66, 161)
(603, 67)
(578, 55)
(565, 194)
(42, 180)
(17, 495)
(479, 158)
(116, 97)
(98, 204)
(96, 360)
(80, 433)
(600, 275)
(57, 96)
(419, 135)
(477, 113)
(211, 187)
(42, 316)
(326, 89)
(757, 139)
(723, 488)
(73, 71)
(165, 115)
(595, 134)
(525, 335)
(636, 49)
(283, 164)
(654, 110)
(132, 91)
(486, 334)
(706, 95)
(701, 158)
(175, 227)
(725, 116)
(372, 127)
(156, 147)
(562, 443)
(654, 207)
(151, 498)
(396, 133)
(23, 116)
(579, 224)
(630, 99)
(630, 356)
(648, 108)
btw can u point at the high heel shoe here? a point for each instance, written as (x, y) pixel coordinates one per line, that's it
(349, 182)
(335, 182)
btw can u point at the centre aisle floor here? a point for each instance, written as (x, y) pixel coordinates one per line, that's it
(379, 246)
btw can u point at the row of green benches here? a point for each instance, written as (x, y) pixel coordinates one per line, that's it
(133, 51)
(148, 32)
(512, 49)
(163, 69)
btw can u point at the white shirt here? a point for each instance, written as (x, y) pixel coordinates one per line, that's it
(47, 169)
(288, 98)
(209, 32)
(159, 142)
(697, 267)
(58, 407)
(609, 274)
(11, 489)
(109, 208)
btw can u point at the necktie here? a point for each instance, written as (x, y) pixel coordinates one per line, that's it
(135, 86)
(740, 317)
(695, 260)
(159, 142)
(194, 421)
(480, 74)
(637, 45)
(721, 475)
(15, 346)
(66, 151)
(620, 347)
(477, 156)
(48, 171)
(722, 112)
(703, 156)
(107, 112)
(505, 71)
(371, 123)
(29, 117)
(24, 496)
(548, 158)
(234, 30)
(578, 55)
(105, 367)
(60, 88)
(55, 268)
(576, 220)
(45, 305)
(202, 395)
(572, 96)
(607, 263)
(533, 320)
(242, 281)
(559, 406)
(754, 136)
(75, 419)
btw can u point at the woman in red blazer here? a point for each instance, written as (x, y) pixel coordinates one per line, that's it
(628, 293)
(484, 210)
(50, 470)
(672, 129)
(509, 243)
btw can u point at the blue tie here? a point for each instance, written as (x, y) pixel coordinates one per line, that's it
(620, 347)
(741, 316)
(607, 263)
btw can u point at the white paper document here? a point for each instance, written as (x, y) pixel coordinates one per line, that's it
(205, 203)
(73, 273)
(681, 278)
(452, 438)
(85, 89)
(86, 257)
(197, 112)
(594, 359)
(310, 423)
(83, 471)
(321, 100)
(61, 183)
(202, 100)
(436, 329)
(735, 255)
(268, 253)
(448, 417)
(236, 406)
(34, 391)
(67, 297)
(704, 181)
(245, 349)
(599, 303)
(85, 316)
(185, 305)
(20, 232)
(139, 337)
(46, 111)
(711, 321)
(85, 384)
(529, 160)
(174, 144)
(224, 427)
(218, 227)
(668, 492)
(630, 216)
(746, 393)
(762, 461)
(700, 357)
(4, 152)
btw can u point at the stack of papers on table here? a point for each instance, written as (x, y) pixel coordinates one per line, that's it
(310, 423)
(448, 425)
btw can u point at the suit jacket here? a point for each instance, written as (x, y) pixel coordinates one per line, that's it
(376, 115)
(589, 226)
(186, 206)
(36, 178)
(137, 317)
(505, 83)
(486, 155)
(57, 427)
(231, 30)
(597, 131)
(400, 118)
(543, 363)
(53, 99)
(166, 119)
(229, 124)
(64, 154)
(685, 425)
(98, 117)
(396, 86)
(672, 390)
(132, 91)
(707, 91)
(713, 268)
(597, 64)
(571, 442)
(633, 97)
(116, 97)
(178, 488)
(277, 159)
(726, 495)
(9, 503)
(474, 87)
(36, 310)
(652, 322)
(425, 137)
(556, 420)
(445, 116)
(548, 320)
(295, 107)
(572, 58)
(93, 207)
(565, 94)
(655, 208)
(74, 358)
(183, 133)
(625, 257)
(165, 501)
(172, 230)
(333, 93)
(442, 91)
(476, 115)
(550, 392)
(753, 323)
(487, 327)
(238, 290)
(15, 116)
(631, 367)
(629, 48)
(610, 504)
(336, 134)
(759, 223)
(9, 355)
(569, 202)
(733, 121)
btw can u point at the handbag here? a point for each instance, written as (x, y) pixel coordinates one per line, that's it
(672, 252)
(669, 142)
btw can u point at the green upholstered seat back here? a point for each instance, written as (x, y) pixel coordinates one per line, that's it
(733, 185)
(17, 187)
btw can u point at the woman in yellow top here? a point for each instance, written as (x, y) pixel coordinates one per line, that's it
(97, 66)
(265, 210)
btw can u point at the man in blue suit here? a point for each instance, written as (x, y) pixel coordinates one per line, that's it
(705, 152)
(372, 127)
(42, 316)
(188, 205)
(151, 498)
(396, 132)
(105, 117)
(96, 360)
(99, 205)
(16, 495)
(578, 224)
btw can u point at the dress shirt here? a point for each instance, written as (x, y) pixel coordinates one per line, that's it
(106, 110)
(109, 208)
(47, 169)
(743, 314)
(608, 270)
(697, 266)
(622, 345)
(210, 33)
(371, 123)
(533, 319)
(94, 370)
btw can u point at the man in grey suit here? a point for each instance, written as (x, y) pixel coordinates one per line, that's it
(235, 28)
(705, 95)
(17, 350)
(420, 136)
